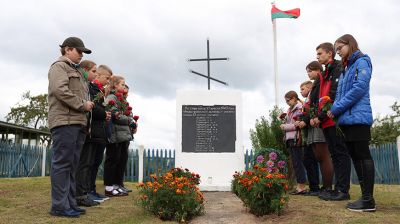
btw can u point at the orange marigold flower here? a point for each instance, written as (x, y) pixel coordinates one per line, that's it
(141, 184)
(178, 191)
(149, 184)
(269, 176)
(155, 190)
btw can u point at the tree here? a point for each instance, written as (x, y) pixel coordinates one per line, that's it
(267, 133)
(32, 114)
(386, 129)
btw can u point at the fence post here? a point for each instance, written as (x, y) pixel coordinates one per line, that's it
(141, 163)
(398, 149)
(44, 161)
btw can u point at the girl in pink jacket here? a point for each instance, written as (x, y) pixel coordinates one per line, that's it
(295, 150)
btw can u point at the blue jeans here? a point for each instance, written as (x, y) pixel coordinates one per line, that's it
(67, 145)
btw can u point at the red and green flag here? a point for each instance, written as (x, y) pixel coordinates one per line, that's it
(277, 13)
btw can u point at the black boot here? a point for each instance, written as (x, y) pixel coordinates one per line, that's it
(359, 170)
(366, 170)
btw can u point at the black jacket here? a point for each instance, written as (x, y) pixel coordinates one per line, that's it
(97, 118)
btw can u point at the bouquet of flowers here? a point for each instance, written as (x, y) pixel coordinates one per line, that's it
(300, 133)
(325, 103)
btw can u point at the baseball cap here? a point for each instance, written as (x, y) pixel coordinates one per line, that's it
(77, 43)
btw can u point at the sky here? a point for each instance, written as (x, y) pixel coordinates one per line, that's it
(149, 41)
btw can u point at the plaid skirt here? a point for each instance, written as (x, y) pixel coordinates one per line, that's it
(315, 135)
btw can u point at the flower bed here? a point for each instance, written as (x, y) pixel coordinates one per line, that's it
(173, 196)
(263, 189)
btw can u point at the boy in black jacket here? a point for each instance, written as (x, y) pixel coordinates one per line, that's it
(96, 139)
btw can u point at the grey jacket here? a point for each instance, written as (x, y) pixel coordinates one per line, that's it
(67, 93)
(120, 131)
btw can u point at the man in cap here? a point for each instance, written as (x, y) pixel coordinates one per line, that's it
(68, 103)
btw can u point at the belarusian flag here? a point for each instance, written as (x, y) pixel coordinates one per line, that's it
(277, 13)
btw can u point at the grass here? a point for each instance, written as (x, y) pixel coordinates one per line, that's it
(305, 209)
(27, 200)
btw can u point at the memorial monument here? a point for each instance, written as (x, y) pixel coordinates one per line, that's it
(209, 137)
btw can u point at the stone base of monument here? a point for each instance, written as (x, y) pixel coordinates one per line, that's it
(209, 139)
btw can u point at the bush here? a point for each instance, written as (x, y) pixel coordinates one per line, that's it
(263, 188)
(173, 196)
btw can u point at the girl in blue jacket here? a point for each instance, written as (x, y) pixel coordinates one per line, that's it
(352, 107)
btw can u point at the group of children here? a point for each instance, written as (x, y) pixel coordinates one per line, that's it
(332, 126)
(88, 113)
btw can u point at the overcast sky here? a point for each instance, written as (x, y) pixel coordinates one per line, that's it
(149, 42)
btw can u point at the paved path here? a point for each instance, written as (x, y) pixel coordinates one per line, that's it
(225, 207)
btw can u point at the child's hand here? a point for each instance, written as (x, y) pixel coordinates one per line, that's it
(316, 121)
(282, 126)
(108, 115)
(88, 105)
(117, 115)
(330, 115)
(302, 124)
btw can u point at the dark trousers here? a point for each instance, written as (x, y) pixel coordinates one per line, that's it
(297, 158)
(67, 145)
(115, 153)
(311, 165)
(123, 162)
(84, 172)
(98, 159)
(340, 158)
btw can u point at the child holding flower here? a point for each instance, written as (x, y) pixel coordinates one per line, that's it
(295, 151)
(316, 136)
(120, 137)
(310, 162)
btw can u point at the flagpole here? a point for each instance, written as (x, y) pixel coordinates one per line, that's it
(275, 62)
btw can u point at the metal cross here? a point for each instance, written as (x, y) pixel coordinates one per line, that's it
(208, 59)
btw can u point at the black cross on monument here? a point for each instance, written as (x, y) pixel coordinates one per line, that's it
(208, 59)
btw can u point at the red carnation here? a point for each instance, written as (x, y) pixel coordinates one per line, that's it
(136, 117)
(111, 102)
(129, 108)
(118, 94)
(282, 116)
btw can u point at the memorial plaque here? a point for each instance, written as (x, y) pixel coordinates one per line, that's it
(208, 128)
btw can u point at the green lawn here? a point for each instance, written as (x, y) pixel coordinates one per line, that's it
(27, 200)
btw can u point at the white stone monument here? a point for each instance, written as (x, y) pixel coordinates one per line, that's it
(209, 136)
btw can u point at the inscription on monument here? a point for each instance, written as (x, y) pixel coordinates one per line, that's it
(208, 128)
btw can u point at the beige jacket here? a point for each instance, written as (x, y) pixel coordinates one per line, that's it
(68, 91)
